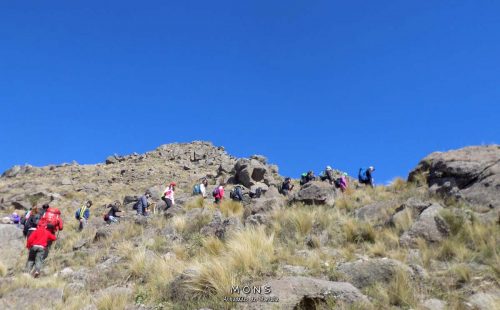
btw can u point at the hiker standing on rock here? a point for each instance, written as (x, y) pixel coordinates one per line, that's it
(168, 196)
(307, 177)
(83, 214)
(365, 176)
(38, 243)
(342, 182)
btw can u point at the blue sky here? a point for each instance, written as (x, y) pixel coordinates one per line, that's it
(306, 83)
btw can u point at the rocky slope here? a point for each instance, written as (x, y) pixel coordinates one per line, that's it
(399, 247)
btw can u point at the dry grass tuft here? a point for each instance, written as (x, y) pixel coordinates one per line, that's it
(3, 270)
(232, 208)
(112, 301)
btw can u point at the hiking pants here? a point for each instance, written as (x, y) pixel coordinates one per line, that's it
(168, 202)
(83, 223)
(35, 258)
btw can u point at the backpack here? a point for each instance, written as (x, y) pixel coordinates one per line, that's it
(196, 189)
(136, 205)
(362, 175)
(337, 183)
(51, 216)
(215, 193)
(77, 214)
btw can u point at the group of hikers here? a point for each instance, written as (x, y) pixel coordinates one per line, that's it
(42, 224)
(364, 177)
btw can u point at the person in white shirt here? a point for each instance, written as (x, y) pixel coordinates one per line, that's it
(168, 196)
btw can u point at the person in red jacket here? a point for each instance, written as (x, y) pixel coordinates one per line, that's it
(37, 244)
(51, 216)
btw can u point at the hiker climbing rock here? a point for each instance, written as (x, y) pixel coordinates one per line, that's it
(201, 188)
(38, 243)
(168, 195)
(218, 194)
(307, 177)
(83, 214)
(286, 186)
(365, 176)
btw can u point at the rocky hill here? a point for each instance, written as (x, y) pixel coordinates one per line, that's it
(429, 243)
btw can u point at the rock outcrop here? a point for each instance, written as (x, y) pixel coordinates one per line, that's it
(471, 173)
(316, 192)
(307, 293)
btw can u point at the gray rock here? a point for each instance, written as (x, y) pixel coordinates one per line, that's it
(471, 173)
(485, 300)
(430, 226)
(364, 273)
(316, 192)
(433, 304)
(256, 219)
(32, 296)
(11, 244)
(295, 270)
(306, 293)
(378, 213)
(220, 227)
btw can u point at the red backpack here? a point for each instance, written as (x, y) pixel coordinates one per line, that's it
(51, 216)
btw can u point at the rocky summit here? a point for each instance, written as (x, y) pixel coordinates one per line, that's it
(428, 242)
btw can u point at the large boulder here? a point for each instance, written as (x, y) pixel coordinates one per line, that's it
(471, 173)
(430, 226)
(364, 273)
(11, 245)
(298, 292)
(316, 192)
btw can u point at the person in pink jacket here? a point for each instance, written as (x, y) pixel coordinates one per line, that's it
(218, 194)
(168, 196)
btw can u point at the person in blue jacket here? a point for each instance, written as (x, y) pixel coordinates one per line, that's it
(365, 176)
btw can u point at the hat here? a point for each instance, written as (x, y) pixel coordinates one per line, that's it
(328, 168)
(345, 173)
(371, 168)
(173, 184)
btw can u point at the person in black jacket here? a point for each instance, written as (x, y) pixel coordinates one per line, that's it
(32, 222)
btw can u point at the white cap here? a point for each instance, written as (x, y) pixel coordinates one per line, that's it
(328, 168)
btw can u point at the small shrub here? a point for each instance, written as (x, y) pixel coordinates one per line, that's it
(357, 232)
(230, 207)
(401, 292)
(197, 202)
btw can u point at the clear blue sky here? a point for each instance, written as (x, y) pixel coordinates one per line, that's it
(306, 83)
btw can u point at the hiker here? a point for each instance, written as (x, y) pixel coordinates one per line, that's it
(255, 194)
(168, 196)
(342, 182)
(31, 222)
(112, 216)
(44, 209)
(82, 215)
(218, 194)
(38, 243)
(365, 176)
(328, 175)
(286, 186)
(12, 219)
(201, 188)
(237, 193)
(143, 203)
(307, 177)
